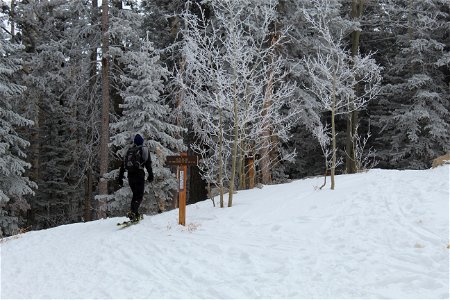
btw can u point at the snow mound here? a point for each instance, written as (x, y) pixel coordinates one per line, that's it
(380, 234)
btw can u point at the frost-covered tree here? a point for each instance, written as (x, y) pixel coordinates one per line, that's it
(145, 112)
(411, 117)
(304, 41)
(357, 7)
(162, 22)
(204, 85)
(83, 88)
(334, 72)
(323, 135)
(60, 62)
(14, 185)
(235, 86)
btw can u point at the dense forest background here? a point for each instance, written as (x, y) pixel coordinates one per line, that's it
(305, 87)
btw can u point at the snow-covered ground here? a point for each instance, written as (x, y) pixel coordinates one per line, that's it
(381, 234)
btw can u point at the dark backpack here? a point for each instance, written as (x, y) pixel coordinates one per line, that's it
(134, 160)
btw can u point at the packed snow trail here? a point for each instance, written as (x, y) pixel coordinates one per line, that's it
(381, 234)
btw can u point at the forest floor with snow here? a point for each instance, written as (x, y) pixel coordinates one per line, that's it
(380, 234)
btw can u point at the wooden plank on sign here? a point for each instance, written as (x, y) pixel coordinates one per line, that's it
(182, 160)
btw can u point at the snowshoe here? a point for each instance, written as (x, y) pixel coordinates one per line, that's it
(132, 221)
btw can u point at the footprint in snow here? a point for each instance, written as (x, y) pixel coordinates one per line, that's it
(276, 227)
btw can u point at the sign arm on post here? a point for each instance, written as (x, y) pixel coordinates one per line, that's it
(182, 162)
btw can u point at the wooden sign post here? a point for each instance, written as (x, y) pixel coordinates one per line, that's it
(251, 172)
(250, 163)
(182, 162)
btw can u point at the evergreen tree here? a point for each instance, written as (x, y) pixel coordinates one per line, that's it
(13, 184)
(145, 112)
(163, 24)
(413, 114)
(57, 35)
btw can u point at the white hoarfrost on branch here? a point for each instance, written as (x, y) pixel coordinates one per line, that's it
(236, 88)
(145, 112)
(13, 184)
(334, 73)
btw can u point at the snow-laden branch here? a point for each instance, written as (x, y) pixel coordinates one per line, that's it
(235, 85)
(339, 81)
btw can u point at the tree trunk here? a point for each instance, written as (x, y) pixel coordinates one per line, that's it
(11, 20)
(251, 172)
(350, 158)
(235, 138)
(88, 196)
(235, 147)
(333, 131)
(35, 143)
(103, 183)
(410, 20)
(265, 152)
(220, 158)
(352, 119)
(241, 167)
(266, 176)
(116, 68)
(89, 181)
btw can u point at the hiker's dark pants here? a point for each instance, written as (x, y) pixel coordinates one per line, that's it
(137, 183)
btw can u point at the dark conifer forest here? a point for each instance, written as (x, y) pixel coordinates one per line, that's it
(262, 91)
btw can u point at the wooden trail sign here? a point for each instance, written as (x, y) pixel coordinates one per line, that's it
(182, 162)
(250, 163)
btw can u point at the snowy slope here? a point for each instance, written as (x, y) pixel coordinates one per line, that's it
(381, 234)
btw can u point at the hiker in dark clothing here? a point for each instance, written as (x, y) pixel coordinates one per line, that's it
(135, 160)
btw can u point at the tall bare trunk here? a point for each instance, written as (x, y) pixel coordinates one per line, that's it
(103, 183)
(266, 175)
(251, 172)
(266, 137)
(220, 158)
(89, 180)
(241, 167)
(235, 144)
(410, 20)
(35, 144)
(88, 195)
(333, 131)
(265, 152)
(11, 19)
(235, 137)
(244, 143)
(350, 158)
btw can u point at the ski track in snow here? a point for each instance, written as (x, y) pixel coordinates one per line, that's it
(381, 234)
